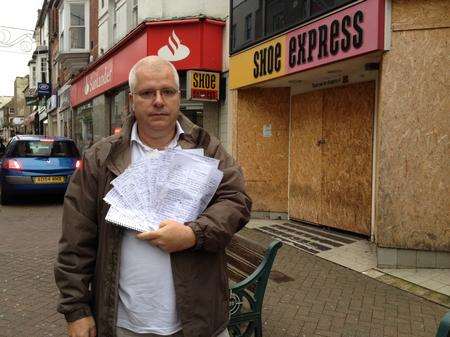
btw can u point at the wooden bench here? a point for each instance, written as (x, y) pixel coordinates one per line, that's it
(249, 265)
(444, 326)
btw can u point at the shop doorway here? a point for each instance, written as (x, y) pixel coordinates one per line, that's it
(330, 179)
(193, 111)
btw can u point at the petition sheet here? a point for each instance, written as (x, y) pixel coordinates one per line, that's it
(172, 184)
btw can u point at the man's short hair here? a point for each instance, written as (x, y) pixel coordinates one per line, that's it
(155, 62)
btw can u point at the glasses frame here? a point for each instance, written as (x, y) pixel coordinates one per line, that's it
(155, 94)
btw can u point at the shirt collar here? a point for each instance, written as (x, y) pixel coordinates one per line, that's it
(172, 144)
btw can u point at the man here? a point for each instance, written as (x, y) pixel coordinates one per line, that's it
(170, 282)
(2, 146)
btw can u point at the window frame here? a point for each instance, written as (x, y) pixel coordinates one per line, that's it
(248, 27)
(134, 13)
(44, 69)
(65, 26)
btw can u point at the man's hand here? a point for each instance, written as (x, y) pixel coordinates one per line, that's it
(84, 327)
(172, 236)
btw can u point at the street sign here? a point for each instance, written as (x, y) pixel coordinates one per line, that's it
(44, 89)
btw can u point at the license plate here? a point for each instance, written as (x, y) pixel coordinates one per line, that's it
(48, 180)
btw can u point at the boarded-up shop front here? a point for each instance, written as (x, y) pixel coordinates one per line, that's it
(342, 121)
(330, 180)
(305, 110)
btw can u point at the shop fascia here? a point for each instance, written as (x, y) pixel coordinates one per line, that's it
(189, 44)
(353, 31)
(98, 78)
(64, 97)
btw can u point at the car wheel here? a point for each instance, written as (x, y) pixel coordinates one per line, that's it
(4, 198)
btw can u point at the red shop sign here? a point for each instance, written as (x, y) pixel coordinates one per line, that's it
(188, 44)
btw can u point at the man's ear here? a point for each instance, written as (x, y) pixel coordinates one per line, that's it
(131, 103)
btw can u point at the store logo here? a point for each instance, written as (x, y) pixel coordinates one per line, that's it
(174, 51)
(98, 78)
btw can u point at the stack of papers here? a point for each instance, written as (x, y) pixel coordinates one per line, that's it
(170, 185)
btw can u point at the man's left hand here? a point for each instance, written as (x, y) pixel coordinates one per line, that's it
(172, 236)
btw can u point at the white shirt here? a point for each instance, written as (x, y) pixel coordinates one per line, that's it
(146, 291)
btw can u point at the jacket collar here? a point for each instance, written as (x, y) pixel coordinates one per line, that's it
(120, 152)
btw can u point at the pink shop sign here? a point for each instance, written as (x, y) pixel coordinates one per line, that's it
(354, 31)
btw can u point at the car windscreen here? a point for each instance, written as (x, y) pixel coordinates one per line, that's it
(44, 148)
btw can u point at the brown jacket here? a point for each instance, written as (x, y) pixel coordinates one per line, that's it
(87, 267)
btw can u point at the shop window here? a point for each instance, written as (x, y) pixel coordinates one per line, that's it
(83, 128)
(195, 116)
(119, 110)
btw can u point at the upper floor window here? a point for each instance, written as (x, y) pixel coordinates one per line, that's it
(257, 20)
(134, 13)
(73, 26)
(33, 77)
(44, 69)
(77, 29)
(233, 36)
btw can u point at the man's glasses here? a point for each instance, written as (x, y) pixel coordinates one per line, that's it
(150, 94)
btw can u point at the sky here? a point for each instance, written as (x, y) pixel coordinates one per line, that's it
(15, 43)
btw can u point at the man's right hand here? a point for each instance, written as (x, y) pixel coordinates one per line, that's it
(84, 327)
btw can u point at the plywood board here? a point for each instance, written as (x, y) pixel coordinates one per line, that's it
(419, 14)
(347, 157)
(414, 145)
(264, 159)
(305, 173)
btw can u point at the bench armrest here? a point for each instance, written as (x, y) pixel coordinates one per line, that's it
(265, 265)
(444, 326)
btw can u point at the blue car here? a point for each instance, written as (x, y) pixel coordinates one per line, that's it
(37, 165)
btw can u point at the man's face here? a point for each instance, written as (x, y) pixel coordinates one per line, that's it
(155, 111)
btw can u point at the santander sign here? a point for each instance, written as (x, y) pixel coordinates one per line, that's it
(98, 78)
(174, 50)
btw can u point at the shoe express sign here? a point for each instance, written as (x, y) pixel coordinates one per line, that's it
(202, 85)
(354, 31)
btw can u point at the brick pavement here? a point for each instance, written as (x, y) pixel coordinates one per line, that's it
(324, 299)
(29, 234)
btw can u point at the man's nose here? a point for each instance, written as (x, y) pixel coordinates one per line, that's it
(158, 101)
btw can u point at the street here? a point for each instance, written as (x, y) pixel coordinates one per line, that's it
(318, 298)
(27, 251)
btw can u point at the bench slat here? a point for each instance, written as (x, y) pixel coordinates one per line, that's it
(249, 245)
(241, 264)
(245, 253)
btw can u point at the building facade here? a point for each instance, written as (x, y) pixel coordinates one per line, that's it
(339, 114)
(191, 35)
(5, 107)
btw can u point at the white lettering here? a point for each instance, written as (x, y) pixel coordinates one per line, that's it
(97, 79)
